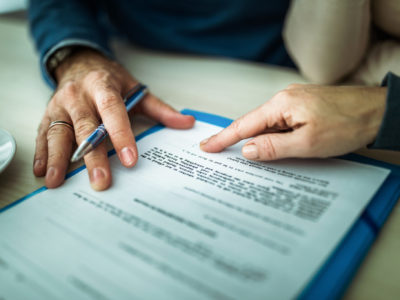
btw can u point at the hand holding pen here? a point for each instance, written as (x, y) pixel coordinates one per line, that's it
(132, 98)
(89, 89)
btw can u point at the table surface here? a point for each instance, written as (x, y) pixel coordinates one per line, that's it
(222, 86)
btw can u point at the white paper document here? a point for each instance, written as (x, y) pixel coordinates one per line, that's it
(184, 224)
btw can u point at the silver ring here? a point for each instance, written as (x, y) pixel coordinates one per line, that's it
(54, 123)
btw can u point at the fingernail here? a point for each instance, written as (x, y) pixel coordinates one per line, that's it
(250, 151)
(51, 173)
(97, 177)
(127, 156)
(38, 164)
(97, 174)
(203, 142)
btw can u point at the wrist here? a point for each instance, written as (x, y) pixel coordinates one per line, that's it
(79, 56)
(378, 110)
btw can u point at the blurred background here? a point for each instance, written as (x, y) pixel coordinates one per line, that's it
(13, 8)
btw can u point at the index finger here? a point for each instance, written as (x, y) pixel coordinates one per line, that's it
(246, 126)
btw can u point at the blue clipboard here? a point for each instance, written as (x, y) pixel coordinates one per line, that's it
(331, 280)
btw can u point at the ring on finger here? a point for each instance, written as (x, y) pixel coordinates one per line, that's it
(63, 123)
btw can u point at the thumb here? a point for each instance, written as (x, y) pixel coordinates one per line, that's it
(165, 114)
(273, 146)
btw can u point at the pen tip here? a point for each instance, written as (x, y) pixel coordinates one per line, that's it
(74, 158)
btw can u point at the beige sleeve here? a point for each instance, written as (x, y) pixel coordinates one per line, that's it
(327, 39)
(384, 56)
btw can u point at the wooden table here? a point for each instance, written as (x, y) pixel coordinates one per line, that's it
(223, 86)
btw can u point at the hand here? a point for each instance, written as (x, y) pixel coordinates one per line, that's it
(306, 121)
(90, 90)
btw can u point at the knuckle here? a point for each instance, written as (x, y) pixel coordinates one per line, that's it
(96, 75)
(285, 95)
(69, 90)
(84, 128)
(84, 121)
(100, 78)
(278, 105)
(81, 115)
(57, 131)
(290, 98)
(107, 102)
(64, 96)
(267, 149)
(57, 156)
(236, 128)
(119, 133)
(293, 86)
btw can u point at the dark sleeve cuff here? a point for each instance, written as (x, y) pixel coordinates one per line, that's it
(389, 133)
(58, 23)
(48, 77)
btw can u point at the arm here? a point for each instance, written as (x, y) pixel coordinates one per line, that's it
(327, 39)
(90, 90)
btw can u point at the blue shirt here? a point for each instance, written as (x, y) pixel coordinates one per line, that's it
(243, 29)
